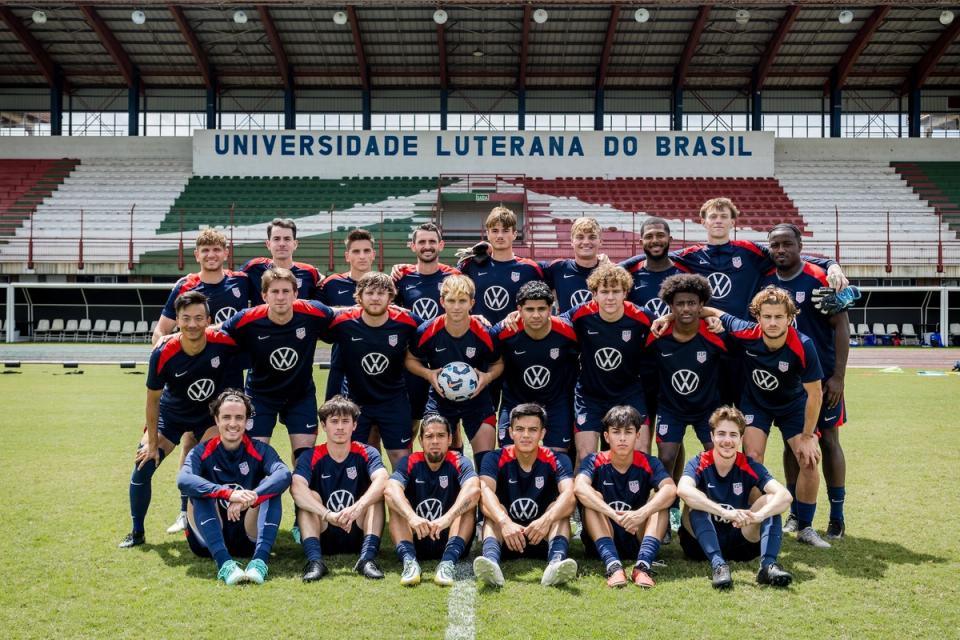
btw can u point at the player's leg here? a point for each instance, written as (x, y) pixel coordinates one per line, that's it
(480, 428)
(311, 528)
(459, 538)
(769, 533)
(587, 443)
(205, 538)
(371, 522)
(670, 431)
(756, 434)
(141, 484)
(186, 446)
(486, 566)
(700, 541)
(834, 466)
(650, 534)
(638, 402)
(262, 524)
(808, 485)
(589, 423)
(597, 536)
(300, 418)
(560, 567)
(791, 470)
(402, 536)
(393, 421)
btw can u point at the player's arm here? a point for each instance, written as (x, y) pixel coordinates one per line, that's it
(417, 368)
(276, 482)
(808, 449)
(663, 497)
(373, 495)
(562, 507)
(841, 346)
(698, 500)
(590, 498)
(193, 485)
(165, 327)
(778, 500)
(494, 512)
(466, 501)
(152, 448)
(396, 499)
(305, 498)
(484, 378)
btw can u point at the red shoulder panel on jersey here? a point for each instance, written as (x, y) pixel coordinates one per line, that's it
(817, 272)
(454, 458)
(319, 451)
(796, 345)
(345, 316)
(414, 459)
(753, 333)
(748, 245)
(744, 466)
(189, 282)
(633, 311)
(436, 325)
(169, 349)
(711, 336)
(253, 262)
(405, 270)
(531, 263)
(235, 274)
(219, 337)
(691, 249)
(453, 271)
(706, 460)
(251, 449)
(588, 309)
(342, 277)
(546, 455)
(640, 460)
(772, 271)
(681, 267)
(563, 328)
(507, 455)
(304, 306)
(251, 314)
(601, 459)
(361, 449)
(402, 315)
(509, 333)
(309, 268)
(480, 330)
(210, 447)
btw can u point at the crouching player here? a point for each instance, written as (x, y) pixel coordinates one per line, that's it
(338, 487)
(619, 517)
(527, 498)
(445, 489)
(234, 485)
(733, 506)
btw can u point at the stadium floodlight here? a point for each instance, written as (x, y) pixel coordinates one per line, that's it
(240, 16)
(440, 16)
(641, 15)
(39, 17)
(743, 16)
(946, 17)
(845, 16)
(138, 17)
(340, 17)
(477, 53)
(540, 16)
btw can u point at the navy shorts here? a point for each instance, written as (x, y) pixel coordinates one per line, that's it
(335, 541)
(473, 414)
(790, 421)
(628, 546)
(430, 549)
(733, 546)
(671, 427)
(234, 536)
(530, 552)
(559, 425)
(589, 411)
(731, 379)
(417, 391)
(299, 415)
(172, 428)
(832, 418)
(392, 418)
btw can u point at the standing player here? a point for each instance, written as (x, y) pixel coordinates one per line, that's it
(650, 269)
(281, 243)
(733, 506)
(338, 487)
(568, 277)
(184, 372)
(620, 519)
(527, 498)
(445, 489)
(831, 337)
(234, 484)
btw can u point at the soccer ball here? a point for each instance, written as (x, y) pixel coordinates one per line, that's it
(457, 381)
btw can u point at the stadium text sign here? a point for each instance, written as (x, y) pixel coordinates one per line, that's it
(555, 154)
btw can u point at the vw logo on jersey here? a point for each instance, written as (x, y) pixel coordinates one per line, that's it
(634, 486)
(224, 314)
(657, 307)
(536, 376)
(619, 505)
(720, 285)
(764, 379)
(684, 381)
(200, 389)
(580, 296)
(608, 358)
(430, 509)
(496, 298)
(374, 363)
(426, 308)
(225, 502)
(524, 509)
(283, 359)
(339, 500)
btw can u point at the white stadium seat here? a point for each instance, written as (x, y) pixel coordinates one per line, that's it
(70, 331)
(83, 330)
(41, 329)
(113, 331)
(141, 332)
(127, 331)
(56, 329)
(98, 331)
(909, 335)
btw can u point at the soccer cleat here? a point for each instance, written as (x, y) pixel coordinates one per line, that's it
(616, 577)
(314, 570)
(231, 573)
(179, 524)
(445, 575)
(133, 539)
(810, 536)
(369, 569)
(295, 532)
(791, 525)
(256, 571)
(774, 575)
(488, 571)
(411, 573)
(641, 577)
(722, 578)
(675, 519)
(836, 529)
(576, 523)
(667, 537)
(559, 572)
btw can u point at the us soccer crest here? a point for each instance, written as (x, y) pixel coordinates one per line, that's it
(470, 351)
(215, 361)
(244, 468)
(301, 333)
(748, 418)
(634, 486)
(515, 276)
(801, 296)
(392, 340)
(663, 428)
(737, 262)
(444, 482)
(352, 473)
(299, 283)
(581, 419)
(236, 292)
(627, 334)
(783, 366)
(701, 356)
(538, 482)
(737, 488)
(554, 353)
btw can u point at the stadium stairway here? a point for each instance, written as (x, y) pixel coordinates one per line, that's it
(24, 184)
(938, 183)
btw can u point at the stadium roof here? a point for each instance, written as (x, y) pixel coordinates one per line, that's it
(482, 44)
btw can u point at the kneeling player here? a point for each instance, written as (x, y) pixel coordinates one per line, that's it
(445, 489)
(338, 487)
(733, 506)
(527, 498)
(614, 488)
(234, 485)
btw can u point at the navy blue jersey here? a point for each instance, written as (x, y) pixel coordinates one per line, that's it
(569, 281)
(373, 357)
(526, 495)
(497, 284)
(432, 493)
(776, 377)
(225, 298)
(281, 355)
(189, 382)
(307, 275)
(419, 293)
(732, 490)
(645, 292)
(339, 484)
(810, 322)
(611, 352)
(213, 471)
(436, 347)
(542, 371)
(337, 290)
(688, 371)
(627, 491)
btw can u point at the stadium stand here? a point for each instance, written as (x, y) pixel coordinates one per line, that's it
(938, 183)
(24, 184)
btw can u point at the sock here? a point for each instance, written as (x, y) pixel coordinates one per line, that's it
(454, 549)
(558, 549)
(268, 524)
(649, 547)
(141, 491)
(707, 537)
(836, 495)
(183, 503)
(805, 513)
(311, 549)
(405, 549)
(792, 488)
(477, 459)
(207, 519)
(771, 535)
(370, 547)
(607, 551)
(491, 549)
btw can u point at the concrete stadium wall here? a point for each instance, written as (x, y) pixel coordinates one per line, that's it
(96, 147)
(882, 150)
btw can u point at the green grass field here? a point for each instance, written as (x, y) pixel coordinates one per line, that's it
(66, 446)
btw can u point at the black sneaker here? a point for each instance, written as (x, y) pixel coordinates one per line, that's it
(836, 529)
(774, 575)
(369, 569)
(722, 578)
(314, 570)
(132, 540)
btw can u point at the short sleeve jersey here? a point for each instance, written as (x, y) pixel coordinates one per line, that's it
(497, 283)
(625, 491)
(226, 471)
(339, 484)
(688, 370)
(432, 493)
(419, 293)
(337, 290)
(542, 371)
(526, 495)
(307, 275)
(611, 353)
(224, 298)
(732, 490)
(645, 292)
(569, 280)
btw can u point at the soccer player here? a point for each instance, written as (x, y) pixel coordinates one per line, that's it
(456, 336)
(373, 339)
(568, 277)
(733, 506)
(184, 372)
(235, 485)
(527, 498)
(831, 337)
(281, 243)
(338, 487)
(619, 516)
(445, 489)
(651, 268)
(540, 358)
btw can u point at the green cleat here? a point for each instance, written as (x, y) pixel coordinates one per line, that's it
(411, 573)
(256, 571)
(675, 520)
(445, 575)
(295, 532)
(231, 573)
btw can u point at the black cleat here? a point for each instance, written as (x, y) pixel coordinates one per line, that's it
(836, 529)
(132, 540)
(314, 570)
(722, 578)
(369, 569)
(774, 575)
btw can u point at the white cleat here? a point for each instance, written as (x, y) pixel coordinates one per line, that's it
(488, 571)
(559, 572)
(810, 536)
(180, 524)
